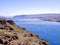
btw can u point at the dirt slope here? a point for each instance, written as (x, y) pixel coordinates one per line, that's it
(11, 34)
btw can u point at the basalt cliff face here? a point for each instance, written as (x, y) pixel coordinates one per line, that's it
(11, 34)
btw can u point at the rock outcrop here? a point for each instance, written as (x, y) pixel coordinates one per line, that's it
(11, 34)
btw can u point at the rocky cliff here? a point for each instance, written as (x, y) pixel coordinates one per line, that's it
(11, 34)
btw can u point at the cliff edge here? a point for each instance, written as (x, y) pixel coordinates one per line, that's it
(11, 34)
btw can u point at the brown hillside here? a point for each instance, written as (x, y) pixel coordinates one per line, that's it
(11, 34)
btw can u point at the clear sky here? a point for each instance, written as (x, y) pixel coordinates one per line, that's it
(18, 7)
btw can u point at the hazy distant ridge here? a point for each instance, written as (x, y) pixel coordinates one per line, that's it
(46, 17)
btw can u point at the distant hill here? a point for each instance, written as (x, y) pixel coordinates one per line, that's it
(46, 17)
(35, 17)
(2, 17)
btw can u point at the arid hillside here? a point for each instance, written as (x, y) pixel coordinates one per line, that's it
(11, 34)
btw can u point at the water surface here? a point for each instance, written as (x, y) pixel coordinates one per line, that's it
(44, 29)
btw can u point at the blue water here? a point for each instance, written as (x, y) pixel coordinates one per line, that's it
(47, 30)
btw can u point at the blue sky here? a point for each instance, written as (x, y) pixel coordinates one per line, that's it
(18, 7)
